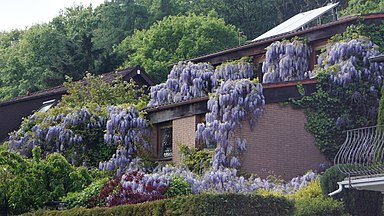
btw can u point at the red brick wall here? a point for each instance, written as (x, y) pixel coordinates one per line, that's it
(279, 144)
(183, 133)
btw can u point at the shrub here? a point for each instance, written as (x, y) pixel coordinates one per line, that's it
(320, 206)
(196, 160)
(329, 179)
(312, 190)
(82, 198)
(133, 187)
(27, 184)
(204, 204)
(178, 186)
(310, 201)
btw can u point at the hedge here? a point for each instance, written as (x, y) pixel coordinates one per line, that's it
(204, 204)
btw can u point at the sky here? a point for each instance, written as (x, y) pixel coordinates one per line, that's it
(19, 14)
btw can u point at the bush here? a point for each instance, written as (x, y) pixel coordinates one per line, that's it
(131, 188)
(27, 184)
(356, 202)
(312, 190)
(81, 198)
(309, 200)
(178, 186)
(196, 160)
(329, 179)
(319, 206)
(205, 204)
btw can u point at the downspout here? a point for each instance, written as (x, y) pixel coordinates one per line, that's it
(337, 191)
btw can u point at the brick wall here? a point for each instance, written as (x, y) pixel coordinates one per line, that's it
(183, 133)
(279, 144)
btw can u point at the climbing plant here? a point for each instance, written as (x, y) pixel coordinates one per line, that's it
(92, 122)
(233, 98)
(286, 61)
(348, 91)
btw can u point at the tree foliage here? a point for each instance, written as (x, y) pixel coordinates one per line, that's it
(176, 38)
(363, 7)
(26, 184)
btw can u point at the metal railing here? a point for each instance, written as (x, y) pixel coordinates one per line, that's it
(362, 153)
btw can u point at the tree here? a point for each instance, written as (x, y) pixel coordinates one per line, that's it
(363, 7)
(176, 38)
(26, 59)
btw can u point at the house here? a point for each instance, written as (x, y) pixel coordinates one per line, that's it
(12, 111)
(279, 143)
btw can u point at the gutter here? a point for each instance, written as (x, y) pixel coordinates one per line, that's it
(338, 190)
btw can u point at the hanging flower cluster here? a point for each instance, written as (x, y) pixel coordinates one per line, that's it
(233, 102)
(188, 81)
(230, 71)
(347, 61)
(234, 98)
(125, 129)
(185, 81)
(286, 61)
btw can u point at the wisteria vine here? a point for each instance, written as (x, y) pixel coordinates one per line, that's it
(232, 103)
(348, 61)
(124, 128)
(286, 61)
(188, 80)
(233, 98)
(227, 180)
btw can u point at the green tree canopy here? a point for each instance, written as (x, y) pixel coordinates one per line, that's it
(176, 38)
(363, 7)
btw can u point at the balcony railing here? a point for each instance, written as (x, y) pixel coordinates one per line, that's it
(362, 153)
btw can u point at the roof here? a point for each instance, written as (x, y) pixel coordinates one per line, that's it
(269, 40)
(205, 98)
(61, 89)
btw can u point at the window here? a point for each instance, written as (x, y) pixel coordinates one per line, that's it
(47, 105)
(165, 138)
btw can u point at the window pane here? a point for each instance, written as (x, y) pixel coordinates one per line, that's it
(166, 142)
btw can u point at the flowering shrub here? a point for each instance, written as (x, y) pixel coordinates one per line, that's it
(286, 61)
(86, 128)
(185, 81)
(348, 61)
(168, 181)
(132, 187)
